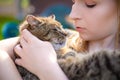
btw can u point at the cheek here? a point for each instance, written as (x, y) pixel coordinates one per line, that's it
(103, 16)
(100, 29)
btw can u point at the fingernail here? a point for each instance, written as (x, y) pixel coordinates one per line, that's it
(24, 30)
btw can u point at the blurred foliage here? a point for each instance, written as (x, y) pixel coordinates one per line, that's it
(8, 18)
(25, 3)
(5, 19)
(6, 2)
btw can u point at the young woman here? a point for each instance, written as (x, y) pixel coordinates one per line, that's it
(97, 21)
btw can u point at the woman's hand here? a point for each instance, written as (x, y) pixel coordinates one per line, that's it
(37, 56)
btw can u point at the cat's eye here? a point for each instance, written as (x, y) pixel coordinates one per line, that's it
(55, 29)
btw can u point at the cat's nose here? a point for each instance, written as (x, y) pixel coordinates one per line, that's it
(65, 34)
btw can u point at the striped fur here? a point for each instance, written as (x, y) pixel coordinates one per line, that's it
(99, 65)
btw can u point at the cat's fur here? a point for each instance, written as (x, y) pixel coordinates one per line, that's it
(46, 29)
(100, 65)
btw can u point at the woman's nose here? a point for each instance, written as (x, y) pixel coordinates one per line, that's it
(75, 13)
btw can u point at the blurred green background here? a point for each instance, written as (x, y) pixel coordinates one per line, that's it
(10, 12)
(13, 12)
(5, 19)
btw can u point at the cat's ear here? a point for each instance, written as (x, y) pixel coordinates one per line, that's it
(52, 16)
(32, 20)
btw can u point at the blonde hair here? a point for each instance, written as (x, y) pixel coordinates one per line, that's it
(82, 46)
(118, 33)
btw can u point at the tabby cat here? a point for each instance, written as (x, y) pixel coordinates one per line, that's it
(99, 65)
(46, 29)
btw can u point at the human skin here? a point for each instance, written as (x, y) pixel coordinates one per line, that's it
(96, 24)
(8, 69)
(96, 21)
(42, 55)
(8, 45)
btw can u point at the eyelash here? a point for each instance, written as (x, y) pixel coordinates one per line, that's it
(90, 5)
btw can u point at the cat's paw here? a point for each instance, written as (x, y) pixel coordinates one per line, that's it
(67, 60)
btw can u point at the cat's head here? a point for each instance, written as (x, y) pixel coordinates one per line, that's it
(46, 29)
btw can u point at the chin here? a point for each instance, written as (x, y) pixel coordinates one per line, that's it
(84, 38)
(87, 38)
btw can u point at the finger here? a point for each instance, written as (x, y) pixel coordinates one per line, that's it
(18, 50)
(18, 62)
(28, 36)
(23, 42)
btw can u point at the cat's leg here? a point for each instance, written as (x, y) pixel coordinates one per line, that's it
(8, 69)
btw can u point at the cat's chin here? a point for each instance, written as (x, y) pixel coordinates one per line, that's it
(58, 46)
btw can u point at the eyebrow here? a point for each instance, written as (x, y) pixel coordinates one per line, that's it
(83, 0)
(95, 0)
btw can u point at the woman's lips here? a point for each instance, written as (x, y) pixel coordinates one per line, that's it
(80, 29)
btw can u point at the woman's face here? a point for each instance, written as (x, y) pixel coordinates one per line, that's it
(95, 19)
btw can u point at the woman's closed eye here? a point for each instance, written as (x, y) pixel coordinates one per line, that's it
(90, 5)
(54, 29)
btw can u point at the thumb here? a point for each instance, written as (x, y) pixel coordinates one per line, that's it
(18, 62)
